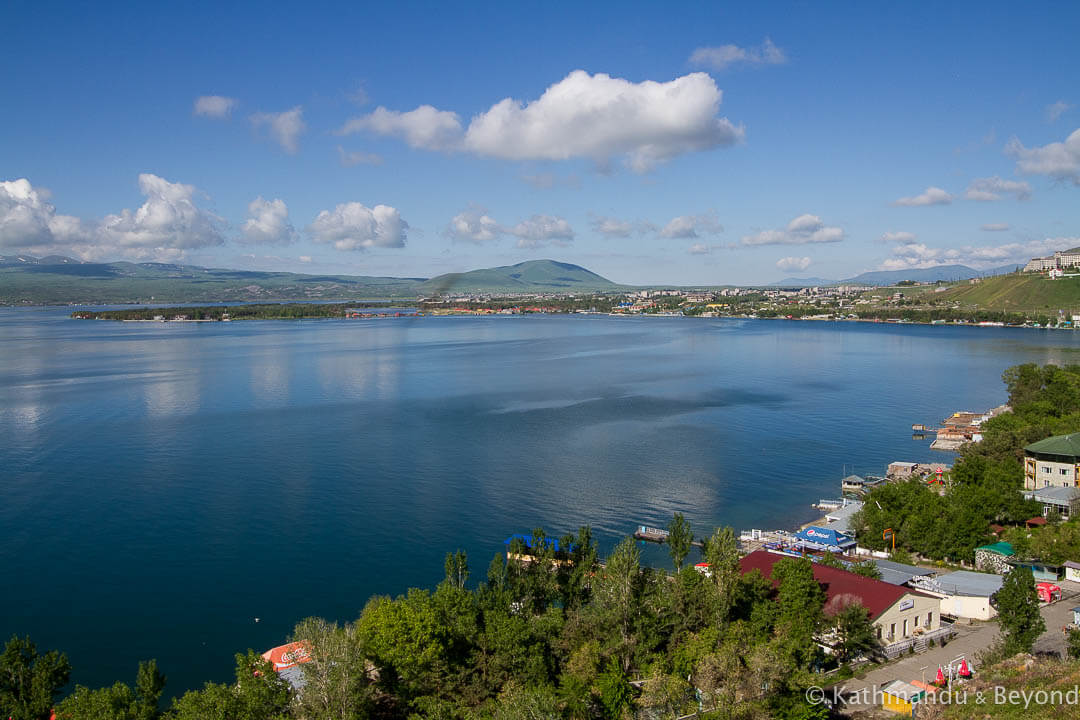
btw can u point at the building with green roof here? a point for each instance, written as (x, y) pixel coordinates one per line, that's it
(1053, 462)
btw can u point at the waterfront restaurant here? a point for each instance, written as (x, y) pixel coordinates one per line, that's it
(1053, 462)
(898, 613)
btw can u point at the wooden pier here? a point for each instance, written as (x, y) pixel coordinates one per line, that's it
(658, 535)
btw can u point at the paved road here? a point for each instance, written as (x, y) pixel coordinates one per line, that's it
(970, 640)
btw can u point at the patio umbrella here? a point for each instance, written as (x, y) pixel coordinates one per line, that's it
(965, 671)
(940, 679)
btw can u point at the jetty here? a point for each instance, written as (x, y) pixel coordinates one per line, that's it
(658, 535)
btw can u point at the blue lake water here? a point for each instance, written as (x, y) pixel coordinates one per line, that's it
(164, 484)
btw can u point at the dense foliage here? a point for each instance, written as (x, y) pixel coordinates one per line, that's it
(547, 634)
(986, 483)
(269, 311)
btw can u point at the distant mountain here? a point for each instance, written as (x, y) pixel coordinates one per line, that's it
(802, 282)
(944, 273)
(531, 276)
(59, 280)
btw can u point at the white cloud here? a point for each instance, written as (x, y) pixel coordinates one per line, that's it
(692, 226)
(354, 226)
(1056, 109)
(789, 264)
(1059, 160)
(268, 223)
(991, 188)
(27, 219)
(475, 226)
(541, 230)
(919, 255)
(930, 196)
(612, 227)
(724, 56)
(356, 157)
(425, 127)
(994, 227)
(169, 219)
(166, 225)
(304, 258)
(284, 127)
(699, 249)
(597, 117)
(215, 106)
(901, 238)
(803, 230)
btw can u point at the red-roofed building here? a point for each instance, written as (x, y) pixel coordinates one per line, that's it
(897, 612)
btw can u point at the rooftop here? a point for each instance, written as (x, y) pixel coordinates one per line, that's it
(1060, 445)
(1001, 548)
(840, 518)
(876, 596)
(1054, 495)
(973, 584)
(896, 573)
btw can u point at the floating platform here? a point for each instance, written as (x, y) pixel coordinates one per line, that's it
(658, 535)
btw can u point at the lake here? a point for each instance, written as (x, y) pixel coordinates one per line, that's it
(166, 484)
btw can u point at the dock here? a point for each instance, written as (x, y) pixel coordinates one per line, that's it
(658, 535)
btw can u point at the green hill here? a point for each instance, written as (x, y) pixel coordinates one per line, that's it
(1031, 293)
(531, 276)
(60, 280)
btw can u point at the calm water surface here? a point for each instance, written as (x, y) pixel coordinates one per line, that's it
(165, 484)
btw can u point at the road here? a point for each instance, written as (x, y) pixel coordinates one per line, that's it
(969, 641)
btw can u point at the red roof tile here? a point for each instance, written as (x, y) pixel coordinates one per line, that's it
(876, 596)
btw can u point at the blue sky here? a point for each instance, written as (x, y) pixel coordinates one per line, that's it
(703, 143)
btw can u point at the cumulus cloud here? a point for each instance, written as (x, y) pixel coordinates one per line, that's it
(425, 127)
(475, 226)
(612, 227)
(789, 264)
(268, 223)
(304, 258)
(1056, 110)
(354, 226)
(803, 230)
(699, 249)
(356, 157)
(722, 57)
(1059, 160)
(215, 106)
(901, 238)
(989, 189)
(169, 219)
(994, 227)
(542, 230)
(166, 225)
(919, 255)
(692, 226)
(597, 117)
(930, 196)
(284, 127)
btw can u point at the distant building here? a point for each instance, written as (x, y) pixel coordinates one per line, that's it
(1055, 499)
(1060, 260)
(1053, 462)
(898, 613)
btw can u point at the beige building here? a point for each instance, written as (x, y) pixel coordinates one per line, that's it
(1060, 260)
(898, 613)
(1053, 462)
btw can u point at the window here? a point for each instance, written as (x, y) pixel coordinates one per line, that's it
(1045, 469)
(905, 628)
(1064, 471)
(916, 621)
(929, 618)
(892, 631)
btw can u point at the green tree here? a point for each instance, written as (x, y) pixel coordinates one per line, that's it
(855, 634)
(213, 702)
(618, 595)
(722, 555)
(335, 679)
(406, 641)
(112, 703)
(457, 568)
(149, 684)
(801, 608)
(1019, 618)
(615, 692)
(30, 683)
(679, 539)
(1072, 644)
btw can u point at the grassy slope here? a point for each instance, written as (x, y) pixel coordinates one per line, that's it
(531, 276)
(1020, 673)
(1017, 293)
